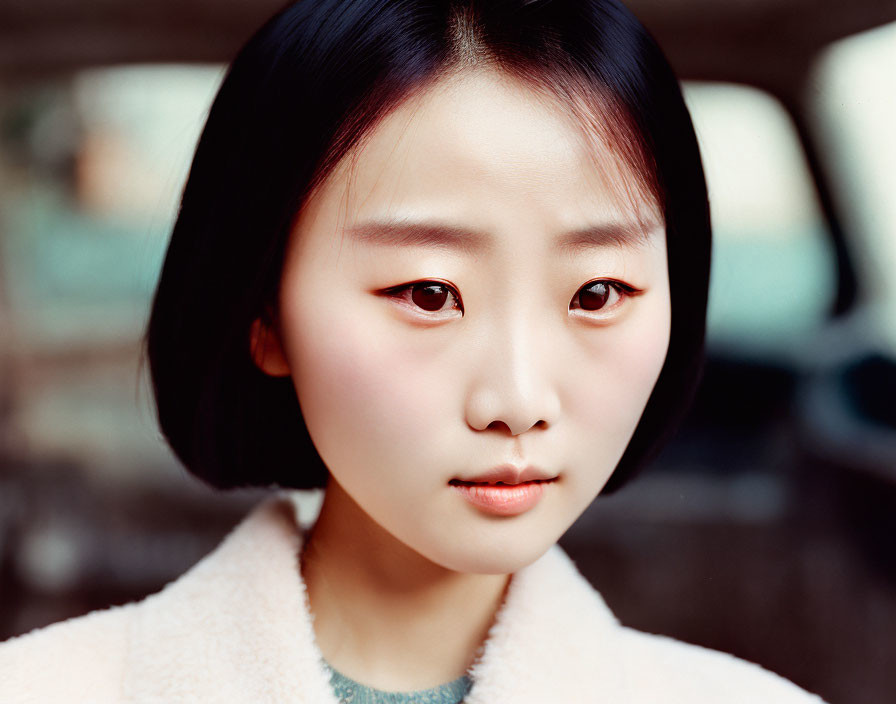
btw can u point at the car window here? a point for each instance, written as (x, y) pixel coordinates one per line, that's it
(853, 93)
(93, 171)
(774, 276)
(91, 167)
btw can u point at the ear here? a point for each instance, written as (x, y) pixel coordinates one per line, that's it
(267, 350)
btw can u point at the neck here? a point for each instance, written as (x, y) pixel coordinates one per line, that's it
(384, 614)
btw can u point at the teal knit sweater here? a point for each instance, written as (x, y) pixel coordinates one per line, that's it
(350, 692)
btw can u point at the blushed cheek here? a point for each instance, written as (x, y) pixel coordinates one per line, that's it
(646, 346)
(362, 397)
(620, 377)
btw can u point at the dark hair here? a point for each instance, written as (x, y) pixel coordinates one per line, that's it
(301, 93)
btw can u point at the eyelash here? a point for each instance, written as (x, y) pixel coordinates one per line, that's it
(623, 291)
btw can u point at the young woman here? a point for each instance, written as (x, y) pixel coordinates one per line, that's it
(449, 260)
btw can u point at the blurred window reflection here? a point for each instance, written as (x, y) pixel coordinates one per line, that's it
(774, 277)
(91, 169)
(854, 96)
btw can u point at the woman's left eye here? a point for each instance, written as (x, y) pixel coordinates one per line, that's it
(430, 296)
(602, 295)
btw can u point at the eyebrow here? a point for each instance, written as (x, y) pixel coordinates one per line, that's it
(435, 235)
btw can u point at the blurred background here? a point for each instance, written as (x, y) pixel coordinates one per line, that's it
(766, 529)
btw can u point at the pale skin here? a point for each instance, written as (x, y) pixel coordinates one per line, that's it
(405, 576)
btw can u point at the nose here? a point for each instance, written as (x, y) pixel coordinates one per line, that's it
(513, 386)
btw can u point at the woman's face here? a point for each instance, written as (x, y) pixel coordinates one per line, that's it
(510, 350)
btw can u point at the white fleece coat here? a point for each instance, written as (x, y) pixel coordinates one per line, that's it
(236, 628)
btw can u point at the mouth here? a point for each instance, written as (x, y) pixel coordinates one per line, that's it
(507, 474)
(501, 498)
(460, 482)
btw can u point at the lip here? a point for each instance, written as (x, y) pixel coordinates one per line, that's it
(508, 474)
(505, 490)
(502, 499)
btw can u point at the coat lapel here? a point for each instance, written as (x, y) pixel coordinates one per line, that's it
(553, 640)
(237, 627)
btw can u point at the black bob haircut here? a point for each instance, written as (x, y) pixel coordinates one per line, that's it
(300, 94)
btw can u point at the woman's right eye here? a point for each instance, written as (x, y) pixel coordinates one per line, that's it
(429, 296)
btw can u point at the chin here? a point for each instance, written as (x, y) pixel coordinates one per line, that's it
(495, 556)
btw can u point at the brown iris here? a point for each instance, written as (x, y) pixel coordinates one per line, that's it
(594, 296)
(429, 296)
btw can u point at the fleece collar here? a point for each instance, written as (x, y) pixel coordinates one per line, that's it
(237, 628)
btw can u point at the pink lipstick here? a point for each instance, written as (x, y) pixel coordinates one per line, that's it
(502, 499)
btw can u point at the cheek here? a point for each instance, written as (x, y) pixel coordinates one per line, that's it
(643, 350)
(361, 395)
(620, 373)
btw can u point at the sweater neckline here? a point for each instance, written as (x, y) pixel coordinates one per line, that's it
(349, 691)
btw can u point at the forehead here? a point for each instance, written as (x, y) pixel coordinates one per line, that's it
(481, 149)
